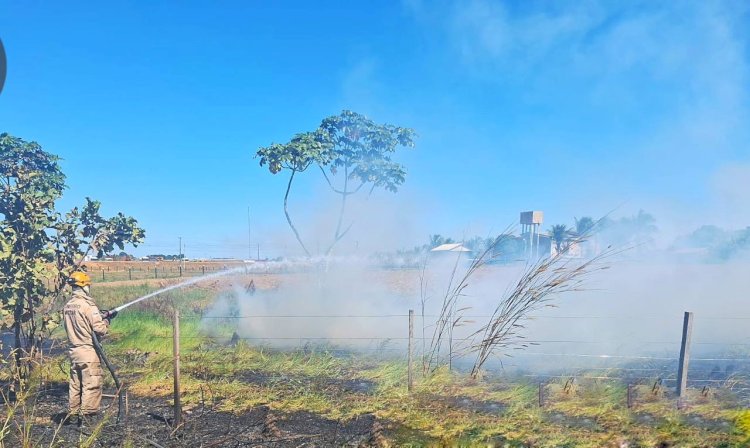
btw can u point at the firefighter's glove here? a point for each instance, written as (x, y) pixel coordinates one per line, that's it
(109, 315)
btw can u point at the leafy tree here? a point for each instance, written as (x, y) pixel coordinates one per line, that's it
(706, 236)
(165, 257)
(584, 226)
(737, 245)
(477, 244)
(296, 156)
(560, 235)
(510, 248)
(123, 256)
(362, 149)
(637, 230)
(438, 240)
(435, 241)
(644, 226)
(31, 181)
(39, 248)
(350, 144)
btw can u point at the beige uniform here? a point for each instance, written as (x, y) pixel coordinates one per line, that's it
(82, 317)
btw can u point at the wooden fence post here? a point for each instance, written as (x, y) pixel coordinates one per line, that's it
(682, 371)
(156, 272)
(130, 273)
(102, 274)
(541, 394)
(410, 359)
(630, 396)
(176, 352)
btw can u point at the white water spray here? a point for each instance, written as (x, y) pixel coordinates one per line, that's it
(181, 285)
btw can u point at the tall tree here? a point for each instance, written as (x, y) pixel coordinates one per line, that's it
(39, 247)
(438, 240)
(363, 150)
(644, 227)
(352, 152)
(584, 226)
(32, 181)
(296, 156)
(560, 235)
(637, 230)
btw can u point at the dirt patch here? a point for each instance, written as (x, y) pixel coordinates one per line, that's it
(469, 404)
(708, 424)
(358, 386)
(150, 421)
(334, 385)
(572, 421)
(646, 419)
(487, 407)
(325, 432)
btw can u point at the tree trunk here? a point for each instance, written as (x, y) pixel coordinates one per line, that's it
(18, 333)
(343, 204)
(32, 341)
(286, 213)
(339, 235)
(18, 342)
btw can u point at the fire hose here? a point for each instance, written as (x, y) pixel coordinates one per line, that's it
(118, 384)
(179, 285)
(98, 346)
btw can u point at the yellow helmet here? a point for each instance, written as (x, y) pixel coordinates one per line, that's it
(80, 278)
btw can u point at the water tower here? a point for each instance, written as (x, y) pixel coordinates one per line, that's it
(530, 224)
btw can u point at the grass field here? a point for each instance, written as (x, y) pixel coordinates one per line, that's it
(111, 271)
(239, 378)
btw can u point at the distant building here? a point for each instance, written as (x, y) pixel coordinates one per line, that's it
(451, 251)
(531, 223)
(450, 247)
(574, 249)
(544, 247)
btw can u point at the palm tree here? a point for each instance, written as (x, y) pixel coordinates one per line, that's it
(584, 226)
(439, 240)
(436, 240)
(560, 235)
(644, 224)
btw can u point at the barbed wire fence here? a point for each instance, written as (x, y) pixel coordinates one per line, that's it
(662, 365)
(174, 270)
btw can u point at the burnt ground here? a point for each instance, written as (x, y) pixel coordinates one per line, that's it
(149, 424)
(351, 385)
(486, 407)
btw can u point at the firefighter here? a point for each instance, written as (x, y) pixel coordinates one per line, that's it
(82, 317)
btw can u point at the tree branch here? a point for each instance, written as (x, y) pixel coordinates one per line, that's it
(286, 213)
(343, 201)
(322, 170)
(335, 190)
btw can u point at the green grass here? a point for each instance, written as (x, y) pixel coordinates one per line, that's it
(190, 301)
(212, 369)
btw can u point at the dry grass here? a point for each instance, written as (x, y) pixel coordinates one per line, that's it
(445, 407)
(540, 283)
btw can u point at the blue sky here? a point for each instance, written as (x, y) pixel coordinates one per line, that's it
(574, 108)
